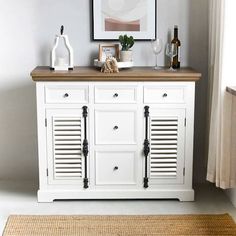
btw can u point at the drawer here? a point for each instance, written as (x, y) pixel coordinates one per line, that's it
(115, 94)
(164, 94)
(115, 127)
(115, 168)
(66, 94)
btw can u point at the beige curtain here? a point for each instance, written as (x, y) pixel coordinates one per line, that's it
(221, 154)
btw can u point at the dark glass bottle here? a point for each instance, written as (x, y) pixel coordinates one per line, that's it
(176, 59)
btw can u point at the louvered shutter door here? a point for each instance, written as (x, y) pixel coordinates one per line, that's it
(167, 131)
(67, 147)
(65, 158)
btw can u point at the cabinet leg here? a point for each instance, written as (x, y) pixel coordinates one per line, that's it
(45, 197)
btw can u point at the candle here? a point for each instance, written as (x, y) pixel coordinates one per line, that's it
(61, 61)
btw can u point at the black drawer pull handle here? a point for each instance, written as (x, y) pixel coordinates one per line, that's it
(116, 95)
(66, 95)
(165, 95)
(116, 168)
(116, 127)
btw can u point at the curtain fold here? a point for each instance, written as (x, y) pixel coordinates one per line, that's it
(221, 153)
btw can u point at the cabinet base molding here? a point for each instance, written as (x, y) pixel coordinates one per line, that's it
(51, 195)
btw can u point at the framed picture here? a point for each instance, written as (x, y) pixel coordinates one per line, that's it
(106, 50)
(112, 18)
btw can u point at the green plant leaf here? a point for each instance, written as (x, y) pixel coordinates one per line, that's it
(126, 42)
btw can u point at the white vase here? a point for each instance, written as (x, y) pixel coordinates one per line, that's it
(126, 56)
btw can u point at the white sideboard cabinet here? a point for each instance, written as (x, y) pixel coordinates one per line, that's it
(115, 136)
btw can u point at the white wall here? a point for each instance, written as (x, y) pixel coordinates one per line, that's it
(27, 30)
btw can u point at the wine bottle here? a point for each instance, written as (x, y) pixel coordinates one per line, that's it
(176, 59)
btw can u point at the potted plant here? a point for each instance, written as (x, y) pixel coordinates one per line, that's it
(126, 43)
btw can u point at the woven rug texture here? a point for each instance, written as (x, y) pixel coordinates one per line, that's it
(185, 225)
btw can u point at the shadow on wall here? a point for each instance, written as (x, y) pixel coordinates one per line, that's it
(198, 59)
(18, 132)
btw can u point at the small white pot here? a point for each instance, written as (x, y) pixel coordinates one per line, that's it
(126, 56)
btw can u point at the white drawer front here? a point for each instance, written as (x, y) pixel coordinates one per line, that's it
(66, 94)
(115, 127)
(115, 168)
(115, 94)
(164, 94)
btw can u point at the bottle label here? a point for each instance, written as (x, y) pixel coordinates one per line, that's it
(179, 54)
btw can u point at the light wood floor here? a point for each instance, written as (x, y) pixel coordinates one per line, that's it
(20, 198)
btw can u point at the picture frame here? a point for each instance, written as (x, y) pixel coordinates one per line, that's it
(112, 18)
(106, 50)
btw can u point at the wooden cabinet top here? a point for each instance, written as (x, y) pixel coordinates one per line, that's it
(134, 74)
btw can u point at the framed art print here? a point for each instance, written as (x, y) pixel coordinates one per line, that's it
(112, 18)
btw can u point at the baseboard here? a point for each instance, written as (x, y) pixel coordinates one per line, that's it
(231, 193)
